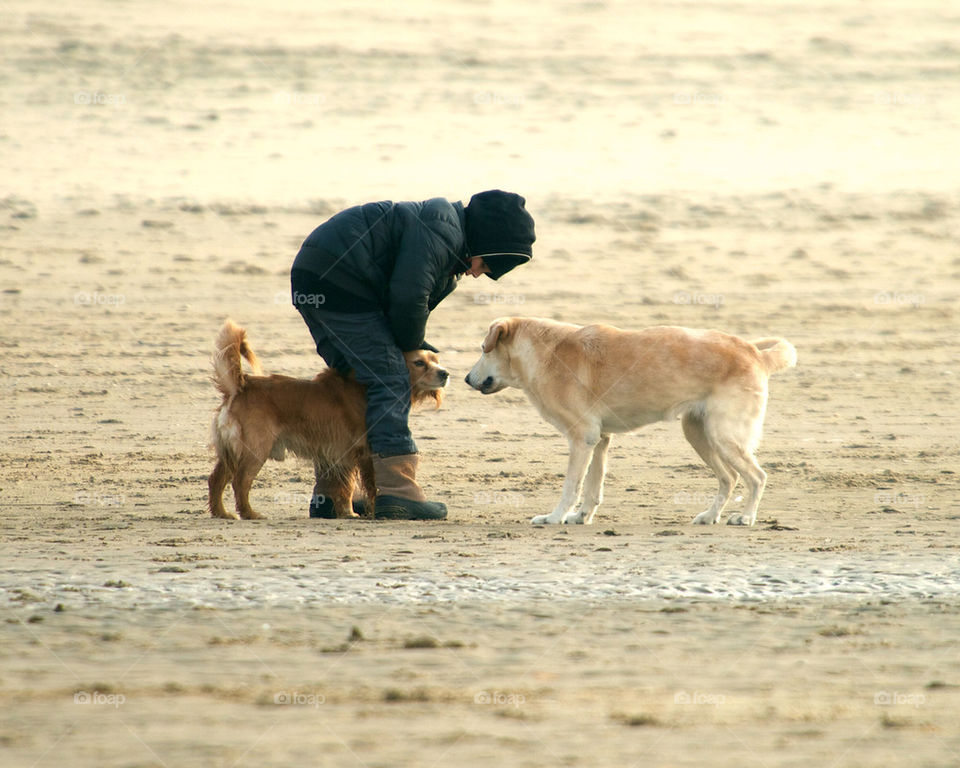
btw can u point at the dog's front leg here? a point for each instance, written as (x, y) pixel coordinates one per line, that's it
(592, 485)
(581, 452)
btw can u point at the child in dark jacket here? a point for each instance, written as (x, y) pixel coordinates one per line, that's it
(365, 283)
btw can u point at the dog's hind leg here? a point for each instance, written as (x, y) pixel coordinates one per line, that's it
(693, 430)
(247, 471)
(755, 479)
(216, 483)
(734, 435)
(593, 484)
(581, 451)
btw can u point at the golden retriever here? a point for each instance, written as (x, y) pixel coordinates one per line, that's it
(591, 381)
(321, 419)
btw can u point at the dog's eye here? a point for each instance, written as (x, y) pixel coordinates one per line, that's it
(419, 363)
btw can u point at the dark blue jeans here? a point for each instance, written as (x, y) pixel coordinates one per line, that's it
(364, 343)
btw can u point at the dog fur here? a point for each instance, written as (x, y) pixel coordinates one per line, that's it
(321, 419)
(592, 381)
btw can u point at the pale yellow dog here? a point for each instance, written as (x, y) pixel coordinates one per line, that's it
(591, 381)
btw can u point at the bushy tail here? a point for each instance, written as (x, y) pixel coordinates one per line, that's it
(776, 353)
(231, 346)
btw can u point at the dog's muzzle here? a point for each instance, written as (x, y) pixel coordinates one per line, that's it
(485, 387)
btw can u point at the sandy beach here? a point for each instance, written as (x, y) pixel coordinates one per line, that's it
(765, 171)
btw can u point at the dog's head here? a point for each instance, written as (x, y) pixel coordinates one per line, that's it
(491, 373)
(427, 376)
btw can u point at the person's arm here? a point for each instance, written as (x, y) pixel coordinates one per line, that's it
(420, 265)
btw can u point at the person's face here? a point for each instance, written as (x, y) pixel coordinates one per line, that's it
(478, 267)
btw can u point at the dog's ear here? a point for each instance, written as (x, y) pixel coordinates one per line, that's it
(499, 330)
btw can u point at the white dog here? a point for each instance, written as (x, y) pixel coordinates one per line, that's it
(590, 381)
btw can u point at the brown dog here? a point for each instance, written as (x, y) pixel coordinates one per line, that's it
(322, 419)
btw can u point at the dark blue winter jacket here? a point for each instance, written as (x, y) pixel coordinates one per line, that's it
(400, 258)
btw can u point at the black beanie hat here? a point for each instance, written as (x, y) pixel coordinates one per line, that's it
(500, 230)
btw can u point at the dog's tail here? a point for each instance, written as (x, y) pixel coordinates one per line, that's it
(231, 346)
(776, 353)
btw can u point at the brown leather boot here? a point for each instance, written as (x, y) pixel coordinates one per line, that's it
(398, 495)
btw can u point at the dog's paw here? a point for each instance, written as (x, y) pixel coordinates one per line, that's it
(573, 518)
(541, 520)
(706, 518)
(739, 520)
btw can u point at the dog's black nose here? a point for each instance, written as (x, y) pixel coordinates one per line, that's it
(467, 379)
(443, 376)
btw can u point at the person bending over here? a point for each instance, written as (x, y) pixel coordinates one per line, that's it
(365, 282)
